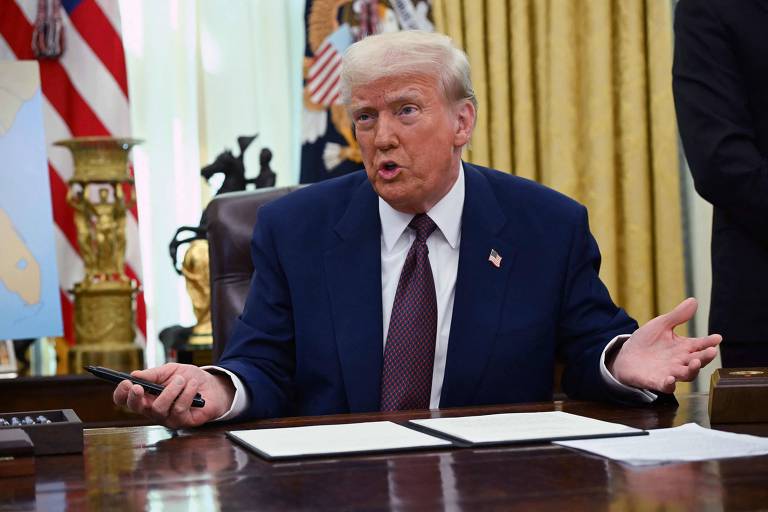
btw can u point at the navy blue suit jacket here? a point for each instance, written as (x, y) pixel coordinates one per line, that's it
(309, 340)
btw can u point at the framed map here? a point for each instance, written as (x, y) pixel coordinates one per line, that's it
(29, 284)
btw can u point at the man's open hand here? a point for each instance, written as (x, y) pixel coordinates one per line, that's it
(656, 358)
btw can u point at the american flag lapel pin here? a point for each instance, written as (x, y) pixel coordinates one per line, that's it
(495, 258)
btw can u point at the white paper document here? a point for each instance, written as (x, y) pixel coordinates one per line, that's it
(276, 443)
(524, 427)
(688, 442)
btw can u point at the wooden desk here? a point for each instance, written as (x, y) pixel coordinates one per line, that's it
(143, 468)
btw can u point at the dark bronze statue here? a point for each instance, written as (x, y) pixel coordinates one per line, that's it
(231, 166)
(233, 169)
(266, 177)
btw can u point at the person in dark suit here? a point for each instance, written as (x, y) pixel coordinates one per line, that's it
(423, 281)
(720, 84)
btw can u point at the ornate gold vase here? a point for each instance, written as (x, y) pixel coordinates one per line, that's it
(101, 192)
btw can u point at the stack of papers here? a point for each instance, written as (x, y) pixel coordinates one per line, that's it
(524, 427)
(685, 443)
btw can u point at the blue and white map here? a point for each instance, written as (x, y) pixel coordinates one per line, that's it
(29, 284)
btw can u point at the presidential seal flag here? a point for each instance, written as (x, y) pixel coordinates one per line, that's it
(79, 48)
(329, 148)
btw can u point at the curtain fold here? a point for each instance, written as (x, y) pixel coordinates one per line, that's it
(577, 95)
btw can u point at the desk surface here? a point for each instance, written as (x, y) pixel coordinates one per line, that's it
(152, 468)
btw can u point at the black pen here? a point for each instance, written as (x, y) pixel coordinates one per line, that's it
(150, 387)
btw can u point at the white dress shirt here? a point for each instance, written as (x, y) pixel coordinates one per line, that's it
(443, 244)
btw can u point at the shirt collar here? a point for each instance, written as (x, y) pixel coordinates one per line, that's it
(446, 214)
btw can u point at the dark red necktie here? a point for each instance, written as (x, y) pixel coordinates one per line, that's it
(406, 379)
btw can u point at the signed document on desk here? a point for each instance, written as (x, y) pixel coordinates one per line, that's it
(524, 427)
(316, 440)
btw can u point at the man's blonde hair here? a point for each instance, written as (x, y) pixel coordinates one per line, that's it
(410, 52)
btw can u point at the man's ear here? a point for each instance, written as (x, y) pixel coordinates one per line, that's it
(465, 123)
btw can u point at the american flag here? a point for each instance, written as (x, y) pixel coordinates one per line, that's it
(325, 72)
(495, 258)
(85, 93)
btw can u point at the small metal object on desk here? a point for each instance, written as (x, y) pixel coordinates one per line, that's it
(16, 421)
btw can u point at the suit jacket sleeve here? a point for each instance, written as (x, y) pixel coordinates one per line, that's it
(589, 320)
(715, 123)
(261, 348)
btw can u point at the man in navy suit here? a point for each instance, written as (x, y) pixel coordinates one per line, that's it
(720, 83)
(506, 275)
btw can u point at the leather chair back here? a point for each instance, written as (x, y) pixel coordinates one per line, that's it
(231, 219)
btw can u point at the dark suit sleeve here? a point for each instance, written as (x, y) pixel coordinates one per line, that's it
(589, 319)
(261, 349)
(715, 124)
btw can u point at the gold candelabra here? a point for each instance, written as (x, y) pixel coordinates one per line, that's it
(101, 192)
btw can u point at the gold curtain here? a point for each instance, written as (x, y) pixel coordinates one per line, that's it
(576, 94)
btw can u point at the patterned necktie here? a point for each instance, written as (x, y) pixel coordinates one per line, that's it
(406, 380)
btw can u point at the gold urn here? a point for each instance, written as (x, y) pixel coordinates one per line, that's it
(101, 192)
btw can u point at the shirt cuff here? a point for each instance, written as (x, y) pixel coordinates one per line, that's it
(240, 402)
(642, 395)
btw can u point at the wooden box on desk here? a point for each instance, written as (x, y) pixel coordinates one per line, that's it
(738, 395)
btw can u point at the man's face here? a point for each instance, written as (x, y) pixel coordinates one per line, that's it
(410, 138)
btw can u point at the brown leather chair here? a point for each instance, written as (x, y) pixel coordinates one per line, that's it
(231, 218)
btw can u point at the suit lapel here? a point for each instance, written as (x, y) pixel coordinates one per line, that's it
(353, 270)
(480, 290)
